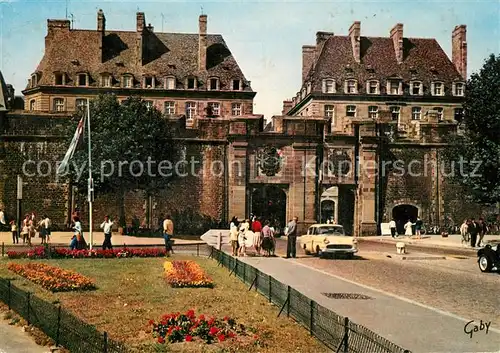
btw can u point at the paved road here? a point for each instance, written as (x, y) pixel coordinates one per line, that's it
(14, 340)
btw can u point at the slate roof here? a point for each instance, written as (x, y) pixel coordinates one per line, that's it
(167, 54)
(3, 94)
(423, 60)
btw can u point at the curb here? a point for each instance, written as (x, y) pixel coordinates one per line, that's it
(410, 257)
(420, 245)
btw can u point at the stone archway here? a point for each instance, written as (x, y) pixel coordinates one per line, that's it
(402, 213)
(329, 204)
(269, 203)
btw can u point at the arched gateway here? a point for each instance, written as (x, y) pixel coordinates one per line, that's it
(269, 203)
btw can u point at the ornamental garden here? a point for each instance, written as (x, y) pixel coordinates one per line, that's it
(154, 303)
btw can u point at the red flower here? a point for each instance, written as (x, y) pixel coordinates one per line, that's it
(202, 318)
(190, 314)
(231, 335)
(151, 322)
(161, 340)
(226, 318)
(188, 338)
(213, 331)
(221, 337)
(211, 321)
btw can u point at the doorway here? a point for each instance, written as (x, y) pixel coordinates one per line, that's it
(269, 203)
(328, 211)
(401, 214)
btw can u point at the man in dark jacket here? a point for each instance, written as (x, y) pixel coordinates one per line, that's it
(473, 229)
(291, 246)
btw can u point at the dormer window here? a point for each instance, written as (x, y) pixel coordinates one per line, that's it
(328, 86)
(236, 85)
(148, 82)
(82, 79)
(34, 80)
(170, 82)
(437, 89)
(127, 81)
(373, 87)
(214, 84)
(308, 88)
(59, 79)
(458, 89)
(394, 87)
(416, 88)
(191, 83)
(351, 87)
(106, 80)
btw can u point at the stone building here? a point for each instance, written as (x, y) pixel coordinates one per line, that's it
(365, 104)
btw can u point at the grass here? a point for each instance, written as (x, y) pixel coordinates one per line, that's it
(132, 291)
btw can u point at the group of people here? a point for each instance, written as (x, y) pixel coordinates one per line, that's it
(411, 228)
(29, 227)
(263, 236)
(78, 240)
(473, 231)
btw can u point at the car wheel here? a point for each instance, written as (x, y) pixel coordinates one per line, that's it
(485, 263)
(318, 252)
(350, 256)
(307, 252)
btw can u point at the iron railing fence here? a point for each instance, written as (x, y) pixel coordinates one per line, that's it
(336, 332)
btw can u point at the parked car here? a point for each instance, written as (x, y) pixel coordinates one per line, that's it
(328, 239)
(488, 258)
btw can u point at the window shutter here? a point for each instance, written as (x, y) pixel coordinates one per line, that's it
(433, 92)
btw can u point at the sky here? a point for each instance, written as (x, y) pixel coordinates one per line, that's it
(265, 37)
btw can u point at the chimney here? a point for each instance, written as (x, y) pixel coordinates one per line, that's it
(397, 40)
(459, 49)
(101, 21)
(202, 43)
(53, 27)
(308, 55)
(141, 21)
(140, 40)
(287, 106)
(355, 35)
(321, 38)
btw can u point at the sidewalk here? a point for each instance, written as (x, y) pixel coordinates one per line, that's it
(14, 340)
(412, 326)
(453, 241)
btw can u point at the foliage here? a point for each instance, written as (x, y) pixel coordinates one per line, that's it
(186, 274)
(480, 145)
(189, 221)
(52, 278)
(58, 253)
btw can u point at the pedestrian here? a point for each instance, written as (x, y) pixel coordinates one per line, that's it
(2, 219)
(464, 232)
(242, 237)
(13, 229)
(482, 230)
(418, 227)
(291, 246)
(233, 235)
(409, 228)
(267, 239)
(473, 231)
(257, 238)
(44, 228)
(107, 226)
(77, 241)
(25, 230)
(392, 226)
(168, 233)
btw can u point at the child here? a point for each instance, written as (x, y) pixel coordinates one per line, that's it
(13, 228)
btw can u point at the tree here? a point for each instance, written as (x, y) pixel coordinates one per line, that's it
(132, 149)
(480, 144)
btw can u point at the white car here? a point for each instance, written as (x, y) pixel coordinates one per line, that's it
(323, 239)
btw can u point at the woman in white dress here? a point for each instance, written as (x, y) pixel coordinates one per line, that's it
(242, 251)
(409, 228)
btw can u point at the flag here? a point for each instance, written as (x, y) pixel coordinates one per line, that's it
(72, 147)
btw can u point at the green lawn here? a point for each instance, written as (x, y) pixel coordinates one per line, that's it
(132, 291)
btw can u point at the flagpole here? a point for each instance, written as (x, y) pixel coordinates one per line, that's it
(90, 183)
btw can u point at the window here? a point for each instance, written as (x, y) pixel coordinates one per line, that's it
(459, 114)
(236, 85)
(82, 80)
(394, 87)
(59, 79)
(350, 110)
(373, 112)
(351, 86)
(169, 108)
(395, 113)
(106, 80)
(149, 104)
(438, 89)
(191, 83)
(58, 104)
(214, 84)
(309, 87)
(170, 83)
(416, 88)
(127, 81)
(213, 109)
(149, 82)
(32, 104)
(329, 111)
(416, 113)
(190, 110)
(439, 111)
(34, 80)
(81, 104)
(236, 109)
(328, 86)
(459, 89)
(373, 87)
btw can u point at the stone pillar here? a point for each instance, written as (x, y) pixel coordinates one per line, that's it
(366, 196)
(237, 160)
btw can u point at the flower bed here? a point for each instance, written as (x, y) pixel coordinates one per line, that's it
(177, 327)
(186, 274)
(63, 253)
(52, 278)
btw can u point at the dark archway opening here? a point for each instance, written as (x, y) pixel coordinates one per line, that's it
(327, 210)
(269, 203)
(401, 214)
